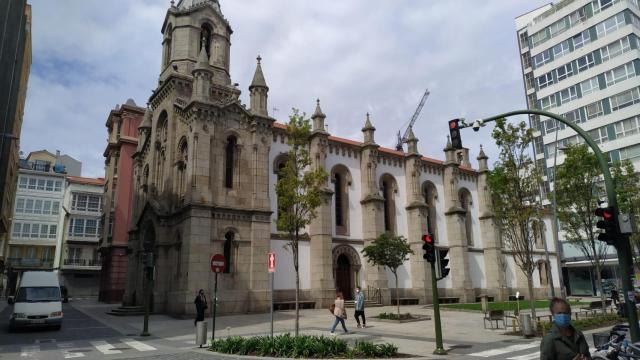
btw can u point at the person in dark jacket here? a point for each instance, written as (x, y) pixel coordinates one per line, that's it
(563, 342)
(201, 306)
(615, 297)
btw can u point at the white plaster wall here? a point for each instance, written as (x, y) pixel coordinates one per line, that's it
(476, 269)
(285, 277)
(404, 276)
(355, 193)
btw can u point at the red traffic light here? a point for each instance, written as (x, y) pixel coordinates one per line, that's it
(453, 124)
(605, 213)
(427, 239)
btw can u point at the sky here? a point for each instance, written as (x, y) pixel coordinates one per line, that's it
(356, 56)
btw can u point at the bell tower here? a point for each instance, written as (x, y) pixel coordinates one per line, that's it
(189, 26)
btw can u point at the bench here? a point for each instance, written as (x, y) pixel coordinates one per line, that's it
(595, 305)
(513, 297)
(291, 305)
(494, 315)
(405, 301)
(449, 300)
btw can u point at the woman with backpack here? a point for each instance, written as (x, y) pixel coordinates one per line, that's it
(339, 313)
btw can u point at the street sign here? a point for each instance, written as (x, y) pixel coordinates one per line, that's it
(218, 263)
(271, 262)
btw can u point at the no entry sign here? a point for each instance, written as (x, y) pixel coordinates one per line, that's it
(271, 262)
(218, 263)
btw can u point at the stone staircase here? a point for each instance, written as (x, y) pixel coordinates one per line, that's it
(367, 303)
(127, 311)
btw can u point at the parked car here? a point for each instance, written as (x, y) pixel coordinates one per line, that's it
(37, 301)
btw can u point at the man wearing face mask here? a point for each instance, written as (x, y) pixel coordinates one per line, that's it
(359, 305)
(563, 342)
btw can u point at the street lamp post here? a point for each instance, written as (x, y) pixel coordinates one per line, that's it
(622, 244)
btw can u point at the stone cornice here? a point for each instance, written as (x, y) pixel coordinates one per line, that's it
(372, 198)
(417, 205)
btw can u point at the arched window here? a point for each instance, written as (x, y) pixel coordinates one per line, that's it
(182, 166)
(430, 195)
(465, 203)
(228, 245)
(161, 143)
(388, 187)
(167, 46)
(145, 178)
(230, 150)
(341, 179)
(205, 36)
(543, 272)
(538, 227)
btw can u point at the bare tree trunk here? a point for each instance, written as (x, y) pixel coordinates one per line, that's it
(603, 296)
(295, 265)
(397, 295)
(532, 300)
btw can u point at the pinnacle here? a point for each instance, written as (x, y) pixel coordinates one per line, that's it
(203, 60)
(318, 112)
(367, 124)
(448, 146)
(482, 155)
(258, 77)
(411, 136)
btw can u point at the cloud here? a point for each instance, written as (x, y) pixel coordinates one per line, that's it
(357, 56)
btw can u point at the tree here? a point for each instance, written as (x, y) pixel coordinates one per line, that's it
(627, 183)
(298, 190)
(390, 251)
(577, 193)
(515, 192)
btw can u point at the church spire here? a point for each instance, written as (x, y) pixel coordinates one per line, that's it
(258, 91)
(318, 118)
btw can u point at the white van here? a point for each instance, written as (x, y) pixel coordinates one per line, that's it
(37, 301)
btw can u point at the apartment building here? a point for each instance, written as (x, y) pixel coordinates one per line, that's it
(81, 265)
(581, 59)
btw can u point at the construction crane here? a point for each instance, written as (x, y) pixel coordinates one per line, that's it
(403, 139)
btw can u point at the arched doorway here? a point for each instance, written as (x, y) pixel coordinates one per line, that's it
(346, 269)
(343, 276)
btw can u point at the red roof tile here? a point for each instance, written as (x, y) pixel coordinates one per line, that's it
(85, 180)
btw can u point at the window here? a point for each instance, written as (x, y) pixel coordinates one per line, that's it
(37, 207)
(630, 152)
(53, 229)
(75, 253)
(46, 207)
(548, 102)
(538, 144)
(94, 204)
(621, 73)
(538, 38)
(561, 49)
(49, 185)
(228, 244)
(627, 127)
(42, 184)
(44, 231)
(614, 49)
(574, 116)
(32, 183)
(19, 206)
(91, 227)
(55, 208)
(568, 94)
(581, 39)
(465, 203)
(545, 80)
(594, 110)
(58, 186)
(205, 36)
(576, 17)
(17, 227)
(338, 198)
(35, 230)
(230, 150)
(551, 125)
(610, 25)
(388, 188)
(542, 58)
(430, 195)
(526, 60)
(599, 135)
(590, 85)
(624, 99)
(599, 5)
(564, 71)
(557, 27)
(586, 62)
(23, 182)
(29, 207)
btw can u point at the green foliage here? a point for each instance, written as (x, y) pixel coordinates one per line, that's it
(627, 183)
(392, 316)
(515, 192)
(305, 346)
(390, 251)
(594, 322)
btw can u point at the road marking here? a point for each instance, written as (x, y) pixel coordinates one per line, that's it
(105, 348)
(67, 353)
(138, 345)
(535, 355)
(505, 350)
(29, 351)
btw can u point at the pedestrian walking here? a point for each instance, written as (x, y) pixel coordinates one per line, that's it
(615, 297)
(359, 305)
(201, 306)
(339, 313)
(563, 342)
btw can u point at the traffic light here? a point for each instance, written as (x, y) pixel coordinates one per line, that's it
(429, 248)
(609, 225)
(442, 271)
(454, 132)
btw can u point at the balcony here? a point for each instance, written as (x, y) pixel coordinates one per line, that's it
(31, 263)
(82, 264)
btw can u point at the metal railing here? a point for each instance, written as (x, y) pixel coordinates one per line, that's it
(30, 262)
(82, 262)
(374, 293)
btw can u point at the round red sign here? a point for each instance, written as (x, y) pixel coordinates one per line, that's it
(218, 263)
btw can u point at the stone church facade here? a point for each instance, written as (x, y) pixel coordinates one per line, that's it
(204, 180)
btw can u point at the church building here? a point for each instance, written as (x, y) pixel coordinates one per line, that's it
(205, 170)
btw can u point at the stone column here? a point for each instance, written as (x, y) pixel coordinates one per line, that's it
(455, 219)
(494, 260)
(320, 230)
(372, 209)
(417, 218)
